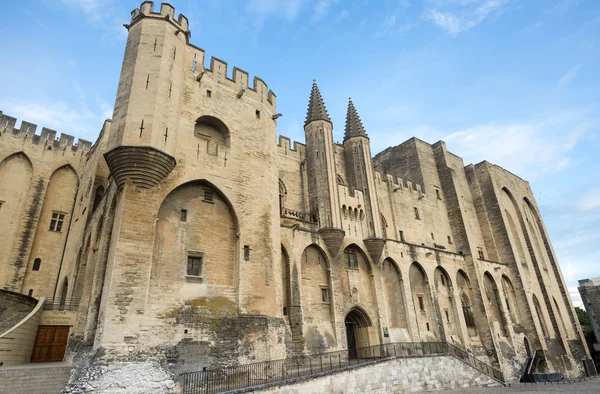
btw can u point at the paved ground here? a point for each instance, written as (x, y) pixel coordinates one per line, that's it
(583, 387)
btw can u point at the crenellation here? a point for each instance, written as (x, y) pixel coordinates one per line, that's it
(285, 147)
(239, 81)
(202, 239)
(46, 137)
(167, 11)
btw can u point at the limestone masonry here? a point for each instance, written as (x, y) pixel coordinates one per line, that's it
(188, 236)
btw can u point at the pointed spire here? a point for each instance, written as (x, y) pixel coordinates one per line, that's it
(354, 126)
(316, 107)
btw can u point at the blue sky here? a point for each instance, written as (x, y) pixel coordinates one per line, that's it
(515, 82)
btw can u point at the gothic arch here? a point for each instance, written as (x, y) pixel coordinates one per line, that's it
(447, 306)
(212, 129)
(358, 251)
(540, 315)
(317, 298)
(98, 195)
(52, 228)
(423, 304)
(16, 174)
(196, 241)
(510, 298)
(515, 224)
(466, 296)
(492, 299)
(285, 282)
(282, 195)
(359, 315)
(394, 298)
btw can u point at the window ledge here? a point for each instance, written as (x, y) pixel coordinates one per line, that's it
(193, 278)
(352, 269)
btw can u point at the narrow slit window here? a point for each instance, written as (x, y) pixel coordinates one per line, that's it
(36, 264)
(30, 293)
(427, 325)
(183, 215)
(421, 304)
(402, 236)
(247, 252)
(417, 214)
(449, 239)
(208, 93)
(447, 315)
(257, 114)
(438, 194)
(325, 295)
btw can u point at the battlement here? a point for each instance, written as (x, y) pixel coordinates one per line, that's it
(284, 147)
(167, 12)
(398, 184)
(239, 81)
(46, 138)
(217, 69)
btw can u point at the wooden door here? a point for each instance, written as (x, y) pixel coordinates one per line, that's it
(361, 335)
(50, 344)
(373, 333)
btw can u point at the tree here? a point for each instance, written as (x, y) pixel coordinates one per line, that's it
(582, 316)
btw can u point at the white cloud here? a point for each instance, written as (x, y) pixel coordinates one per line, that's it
(386, 26)
(569, 76)
(590, 200)
(321, 9)
(344, 14)
(458, 15)
(102, 14)
(78, 120)
(524, 148)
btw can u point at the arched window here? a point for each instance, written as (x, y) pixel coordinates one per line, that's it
(282, 194)
(540, 316)
(350, 259)
(36, 264)
(467, 312)
(98, 197)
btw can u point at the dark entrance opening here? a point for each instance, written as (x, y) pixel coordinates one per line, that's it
(527, 348)
(357, 332)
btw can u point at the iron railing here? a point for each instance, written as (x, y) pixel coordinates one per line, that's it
(57, 304)
(274, 371)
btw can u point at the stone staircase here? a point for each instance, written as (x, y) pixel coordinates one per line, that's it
(42, 378)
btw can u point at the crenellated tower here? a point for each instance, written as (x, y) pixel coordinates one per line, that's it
(145, 118)
(322, 181)
(359, 173)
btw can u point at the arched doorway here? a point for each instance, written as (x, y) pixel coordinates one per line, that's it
(358, 334)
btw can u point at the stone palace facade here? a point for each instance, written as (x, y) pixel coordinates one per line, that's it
(190, 235)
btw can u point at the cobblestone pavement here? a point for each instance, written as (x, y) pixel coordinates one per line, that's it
(579, 387)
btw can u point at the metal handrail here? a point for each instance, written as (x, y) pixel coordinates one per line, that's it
(57, 304)
(243, 376)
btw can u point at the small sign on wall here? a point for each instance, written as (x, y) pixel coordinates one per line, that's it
(386, 332)
(58, 318)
